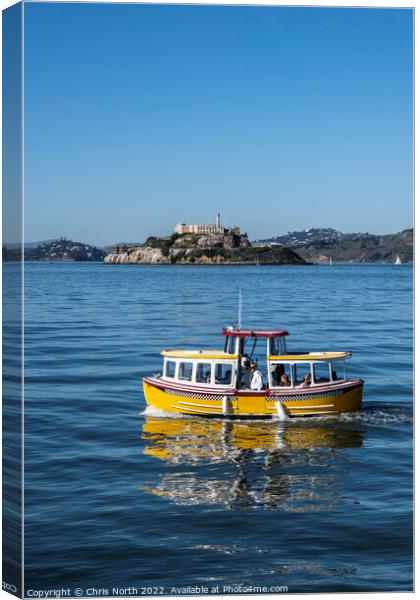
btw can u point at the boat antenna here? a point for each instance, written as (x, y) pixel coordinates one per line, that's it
(240, 309)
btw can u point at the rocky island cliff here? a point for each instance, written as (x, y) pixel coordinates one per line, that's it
(228, 248)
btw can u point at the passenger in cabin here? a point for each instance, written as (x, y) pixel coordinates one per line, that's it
(228, 377)
(202, 376)
(334, 376)
(246, 375)
(256, 378)
(306, 381)
(276, 374)
(284, 380)
(224, 376)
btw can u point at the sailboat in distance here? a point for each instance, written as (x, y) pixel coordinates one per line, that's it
(398, 260)
(331, 260)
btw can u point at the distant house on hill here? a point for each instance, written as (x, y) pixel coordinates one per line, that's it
(217, 228)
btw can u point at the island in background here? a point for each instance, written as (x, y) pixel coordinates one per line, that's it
(205, 244)
(216, 244)
(203, 249)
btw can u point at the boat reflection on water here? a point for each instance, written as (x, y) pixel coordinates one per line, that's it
(289, 465)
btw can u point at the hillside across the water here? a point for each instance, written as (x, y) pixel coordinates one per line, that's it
(208, 249)
(61, 250)
(318, 245)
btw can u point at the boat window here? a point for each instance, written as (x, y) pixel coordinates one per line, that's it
(300, 376)
(203, 374)
(230, 344)
(277, 346)
(280, 375)
(322, 372)
(274, 346)
(338, 370)
(185, 371)
(170, 368)
(276, 371)
(223, 375)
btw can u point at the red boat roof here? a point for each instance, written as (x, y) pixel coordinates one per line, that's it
(259, 333)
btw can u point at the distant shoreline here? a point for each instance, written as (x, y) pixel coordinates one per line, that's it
(238, 264)
(315, 246)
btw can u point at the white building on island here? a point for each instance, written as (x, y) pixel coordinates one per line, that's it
(217, 228)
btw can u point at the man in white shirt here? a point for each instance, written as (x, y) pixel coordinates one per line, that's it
(256, 378)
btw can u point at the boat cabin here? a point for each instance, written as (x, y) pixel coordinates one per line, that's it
(310, 369)
(227, 369)
(203, 368)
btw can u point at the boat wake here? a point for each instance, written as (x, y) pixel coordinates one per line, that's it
(379, 414)
(281, 413)
(151, 411)
(373, 413)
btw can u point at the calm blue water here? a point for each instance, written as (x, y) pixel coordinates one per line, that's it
(118, 498)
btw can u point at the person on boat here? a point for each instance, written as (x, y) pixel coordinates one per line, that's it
(246, 375)
(276, 373)
(256, 378)
(284, 380)
(306, 381)
(228, 377)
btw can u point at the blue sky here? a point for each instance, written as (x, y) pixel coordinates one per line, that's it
(138, 117)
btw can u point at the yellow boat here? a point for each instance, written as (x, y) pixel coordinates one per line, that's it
(216, 383)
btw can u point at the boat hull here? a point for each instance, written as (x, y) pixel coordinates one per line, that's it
(332, 399)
